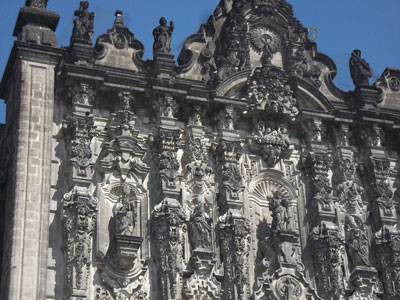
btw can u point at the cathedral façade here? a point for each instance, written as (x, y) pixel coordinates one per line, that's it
(236, 171)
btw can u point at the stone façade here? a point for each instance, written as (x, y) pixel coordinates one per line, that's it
(238, 172)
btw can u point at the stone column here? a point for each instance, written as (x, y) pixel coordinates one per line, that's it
(28, 90)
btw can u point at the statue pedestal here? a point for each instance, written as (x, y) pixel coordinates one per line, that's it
(81, 52)
(365, 281)
(164, 65)
(126, 248)
(366, 95)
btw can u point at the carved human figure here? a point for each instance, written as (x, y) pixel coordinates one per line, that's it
(357, 242)
(349, 194)
(200, 226)
(359, 69)
(126, 215)
(37, 3)
(162, 36)
(279, 206)
(83, 24)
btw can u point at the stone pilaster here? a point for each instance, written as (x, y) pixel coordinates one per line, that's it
(79, 206)
(28, 89)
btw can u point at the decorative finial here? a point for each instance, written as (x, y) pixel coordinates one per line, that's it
(162, 36)
(359, 69)
(36, 3)
(119, 20)
(83, 24)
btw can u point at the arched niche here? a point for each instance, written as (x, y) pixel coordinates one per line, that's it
(260, 189)
(109, 196)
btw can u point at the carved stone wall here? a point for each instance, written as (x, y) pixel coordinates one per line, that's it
(240, 172)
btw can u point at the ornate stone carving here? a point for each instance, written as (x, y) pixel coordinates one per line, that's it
(328, 251)
(80, 129)
(83, 24)
(82, 94)
(387, 241)
(268, 88)
(271, 140)
(235, 245)
(162, 36)
(202, 283)
(301, 67)
(79, 219)
(119, 35)
(232, 50)
(349, 192)
(359, 69)
(168, 227)
(264, 41)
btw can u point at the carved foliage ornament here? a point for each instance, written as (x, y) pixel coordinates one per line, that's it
(79, 219)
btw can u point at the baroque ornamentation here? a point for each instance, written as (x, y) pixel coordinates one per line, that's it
(387, 241)
(82, 94)
(300, 67)
(83, 24)
(162, 36)
(328, 251)
(359, 69)
(168, 227)
(79, 220)
(268, 88)
(235, 246)
(271, 140)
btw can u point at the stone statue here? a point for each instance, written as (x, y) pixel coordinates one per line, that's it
(126, 215)
(83, 24)
(280, 216)
(357, 242)
(359, 69)
(200, 227)
(162, 36)
(37, 3)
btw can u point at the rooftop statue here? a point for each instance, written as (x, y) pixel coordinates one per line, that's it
(83, 24)
(37, 3)
(359, 69)
(162, 36)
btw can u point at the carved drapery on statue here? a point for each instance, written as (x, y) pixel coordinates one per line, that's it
(162, 36)
(359, 69)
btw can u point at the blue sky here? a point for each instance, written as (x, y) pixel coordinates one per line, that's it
(344, 25)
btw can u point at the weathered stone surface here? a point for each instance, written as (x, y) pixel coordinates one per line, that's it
(238, 172)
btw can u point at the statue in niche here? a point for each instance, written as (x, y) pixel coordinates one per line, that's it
(357, 242)
(162, 36)
(359, 69)
(278, 204)
(349, 194)
(83, 24)
(200, 226)
(126, 215)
